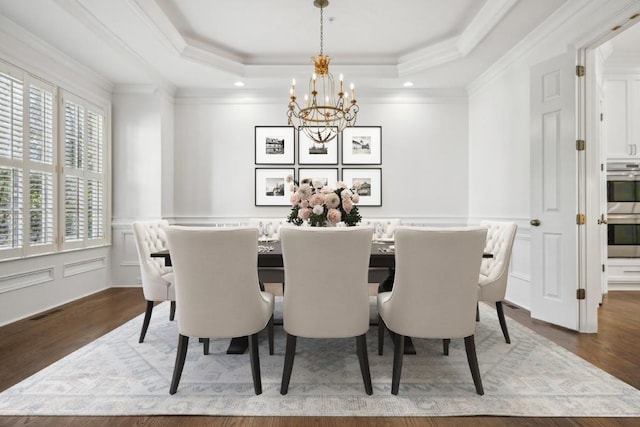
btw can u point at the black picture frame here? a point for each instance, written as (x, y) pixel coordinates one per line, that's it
(275, 145)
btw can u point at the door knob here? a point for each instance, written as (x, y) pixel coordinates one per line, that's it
(602, 220)
(535, 222)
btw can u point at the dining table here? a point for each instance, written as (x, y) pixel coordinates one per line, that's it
(270, 256)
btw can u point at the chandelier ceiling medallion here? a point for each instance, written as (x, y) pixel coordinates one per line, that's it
(326, 112)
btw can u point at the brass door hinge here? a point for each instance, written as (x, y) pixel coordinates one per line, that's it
(580, 219)
(581, 293)
(580, 70)
(580, 144)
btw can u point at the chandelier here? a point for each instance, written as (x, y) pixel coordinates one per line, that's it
(326, 112)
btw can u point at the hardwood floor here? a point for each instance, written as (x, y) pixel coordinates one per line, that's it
(31, 344)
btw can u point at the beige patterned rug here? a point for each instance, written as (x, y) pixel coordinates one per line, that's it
(115, 375)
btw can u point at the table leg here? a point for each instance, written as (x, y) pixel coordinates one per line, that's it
(238, 345)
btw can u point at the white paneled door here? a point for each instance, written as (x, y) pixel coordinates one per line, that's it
(554, 189)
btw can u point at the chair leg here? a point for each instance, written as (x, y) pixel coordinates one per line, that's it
(288, 363)
(477, 312)
(470, 346)
(398, 354)
(205, 346)
(181, 355)
(255, 363)
(445, 346)
(363, 358)
(270, 333)
(381, 330)
(503, 322)
(172, 312)
(147, 319)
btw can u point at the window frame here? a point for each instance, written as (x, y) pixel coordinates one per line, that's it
(56, 168)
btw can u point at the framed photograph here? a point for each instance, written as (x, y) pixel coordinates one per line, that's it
(275, 145)
(314, 153)
(272, 188)
(362, 145)
(370, 181)
(328, 176)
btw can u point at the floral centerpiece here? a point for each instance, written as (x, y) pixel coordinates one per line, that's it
(320, 205)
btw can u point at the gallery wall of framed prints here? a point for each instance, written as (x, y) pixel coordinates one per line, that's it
(357, 147)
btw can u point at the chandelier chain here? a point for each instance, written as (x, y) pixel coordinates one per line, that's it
(321, 30)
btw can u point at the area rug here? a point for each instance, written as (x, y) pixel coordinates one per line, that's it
(115, 375)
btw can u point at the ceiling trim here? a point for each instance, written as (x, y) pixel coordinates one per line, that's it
(89, 20)
(428, 57)
(16, 39)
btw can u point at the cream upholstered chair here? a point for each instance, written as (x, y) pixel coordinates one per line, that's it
(217, 293)
(269, 228)
(433, 293)
(156, 277)
(494, 272)
(327, 292)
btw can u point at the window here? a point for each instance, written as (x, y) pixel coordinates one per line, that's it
(36, 217)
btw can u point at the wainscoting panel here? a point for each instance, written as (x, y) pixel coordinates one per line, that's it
(26, 279)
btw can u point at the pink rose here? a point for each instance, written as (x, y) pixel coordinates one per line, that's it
(295, 199)
(332, 200)
(357, 185)
(334, 216)
(304, 213)
(316, 199)
(326, 190)
(318, 209)
(355, 198)
(341, 184)
(304, 204)
(347, 205)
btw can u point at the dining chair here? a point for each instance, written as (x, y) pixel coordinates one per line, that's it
(327, 292)
(157, 278)
(217, 292)
(433, 295)
(494, 272)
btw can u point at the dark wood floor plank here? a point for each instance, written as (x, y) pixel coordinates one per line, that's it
(32, 344)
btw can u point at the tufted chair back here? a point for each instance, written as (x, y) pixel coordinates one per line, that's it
(156, 277)
(494, 272)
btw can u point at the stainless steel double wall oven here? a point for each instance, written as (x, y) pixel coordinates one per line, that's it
(623, 209)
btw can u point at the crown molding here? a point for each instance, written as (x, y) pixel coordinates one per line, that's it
(83, 15)
(271, 96)
(159, 24)
(214, 56)
(18, 43)
(571, 11)
(485, 21)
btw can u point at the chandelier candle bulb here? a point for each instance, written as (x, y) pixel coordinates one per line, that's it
(341, 83)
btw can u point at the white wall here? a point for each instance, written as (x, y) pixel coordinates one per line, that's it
(29, 286)
(424, 158)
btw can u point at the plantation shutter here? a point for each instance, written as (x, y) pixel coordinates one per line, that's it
(11, 156)
(84, 173)
(41, 200)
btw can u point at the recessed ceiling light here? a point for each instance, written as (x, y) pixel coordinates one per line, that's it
(239, 84)
(407, 84)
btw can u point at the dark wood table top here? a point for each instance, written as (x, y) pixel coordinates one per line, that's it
(381, 256)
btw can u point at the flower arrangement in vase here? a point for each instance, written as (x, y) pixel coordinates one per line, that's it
(319, 205)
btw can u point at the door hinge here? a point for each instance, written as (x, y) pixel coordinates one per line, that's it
(580, 219)
(603, 268)
(601, 117)
(580, 144)
(581, 293)
(580, 70)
